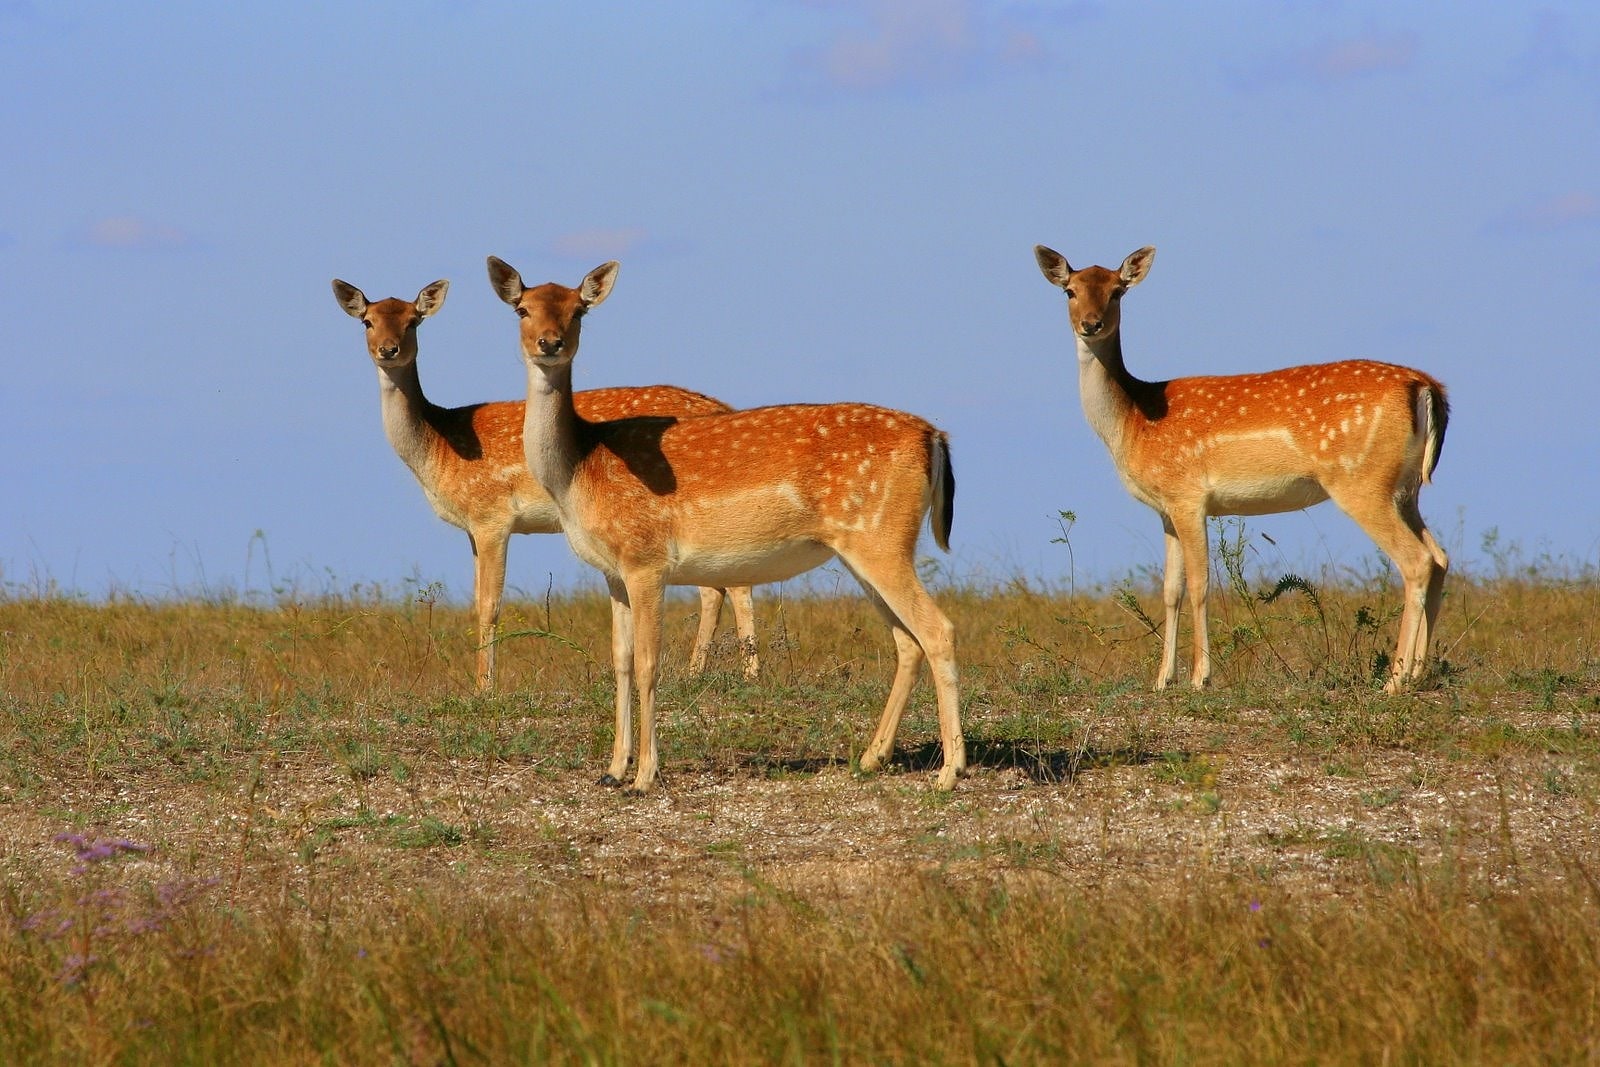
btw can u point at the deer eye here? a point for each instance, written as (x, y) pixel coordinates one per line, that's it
(367, 323)
(1071, 295)
(522, 313)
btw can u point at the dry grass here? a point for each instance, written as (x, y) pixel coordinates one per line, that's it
(287, 835)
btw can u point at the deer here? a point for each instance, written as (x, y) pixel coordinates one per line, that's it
(1363, 433)
(469, 462)
(747, 497)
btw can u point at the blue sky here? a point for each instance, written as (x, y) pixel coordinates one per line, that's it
(811, 200)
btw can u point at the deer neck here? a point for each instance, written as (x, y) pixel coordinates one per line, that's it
(1109, 393)
(405, 415)
(551, 430)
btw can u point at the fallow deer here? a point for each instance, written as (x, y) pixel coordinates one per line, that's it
(469, 462)
(755, 496)
(1363, 433)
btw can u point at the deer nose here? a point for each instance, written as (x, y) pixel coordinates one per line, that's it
(1091, 327)
(549, 346)
(388, 351)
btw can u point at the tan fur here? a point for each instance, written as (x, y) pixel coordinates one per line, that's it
(1363, 433)
(470, 463)
(752, 496)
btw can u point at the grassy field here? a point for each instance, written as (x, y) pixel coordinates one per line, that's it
(287, 834)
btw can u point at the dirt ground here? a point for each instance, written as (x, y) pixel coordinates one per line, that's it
(1303, 823)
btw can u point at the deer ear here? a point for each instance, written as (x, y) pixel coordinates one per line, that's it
(350, 298)
(506, 281)
(1137, 265)
(596, 285)
(1053, 265)
(431, 298)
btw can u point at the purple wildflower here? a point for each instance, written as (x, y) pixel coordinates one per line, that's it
(145, 924)
(177, 892)
(74, 967)
(91, 850)
(49, 924)
(715, 953)
(37, 920)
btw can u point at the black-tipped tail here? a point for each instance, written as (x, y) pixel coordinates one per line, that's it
(1433, 415)
(942, 514)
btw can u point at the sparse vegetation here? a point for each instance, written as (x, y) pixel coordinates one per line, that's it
(290, 834)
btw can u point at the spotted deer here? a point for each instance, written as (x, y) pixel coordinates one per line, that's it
(1363, 433)
(752, 496)
(469, 462)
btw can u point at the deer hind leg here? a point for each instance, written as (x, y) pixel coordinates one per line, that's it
(1439, 566)
(1396, 527)
(744, 621)
(710, 614)
(644, 596)
(488, 582)
(920, 631)
(908, 665)
(622, 668)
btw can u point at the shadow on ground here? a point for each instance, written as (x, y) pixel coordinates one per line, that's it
(1040, 764)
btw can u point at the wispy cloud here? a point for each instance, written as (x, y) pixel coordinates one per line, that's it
(1564, 211)
(130, 232)
(1333, 62)
(1371, 53)
(1554, 48)
(878, 45)
(600, 243)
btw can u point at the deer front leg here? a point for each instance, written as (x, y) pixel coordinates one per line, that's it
(1172, 601)
(1189, 532)
(644, 595)
(622, 668)
(488, 583)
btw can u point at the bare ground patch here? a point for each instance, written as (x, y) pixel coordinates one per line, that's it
(1202, 801)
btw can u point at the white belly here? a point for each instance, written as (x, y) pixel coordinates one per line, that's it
(535, 516)
(1264, 496)
(725, 565)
